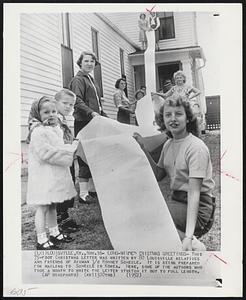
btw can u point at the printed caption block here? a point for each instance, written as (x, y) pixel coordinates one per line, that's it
(107, 266)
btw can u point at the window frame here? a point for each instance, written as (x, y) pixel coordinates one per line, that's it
(164, 18)
(96, 51)
(66, 47)
(66, 36)
(122, 62)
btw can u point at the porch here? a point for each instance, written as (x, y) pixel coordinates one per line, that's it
(167, 62)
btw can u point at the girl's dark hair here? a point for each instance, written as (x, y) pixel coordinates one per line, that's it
(79, 61)
(117, 83)
(192, 125)
(142, 14)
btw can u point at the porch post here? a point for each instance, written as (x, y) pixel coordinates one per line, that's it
(186, 65)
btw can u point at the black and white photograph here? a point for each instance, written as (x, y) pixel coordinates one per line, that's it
(124, 161)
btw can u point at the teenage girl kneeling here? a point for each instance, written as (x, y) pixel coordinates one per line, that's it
(186, 160)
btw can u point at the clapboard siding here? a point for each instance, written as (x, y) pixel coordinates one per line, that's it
(183, 22)
(29, 71)
(49, 19)
(36, 55)
(40, 32)
(40, 40)
(39, 66)
(127, 23)
(184, 32)
(40, 59)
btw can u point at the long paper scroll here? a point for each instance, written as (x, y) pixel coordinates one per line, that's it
(149, 105)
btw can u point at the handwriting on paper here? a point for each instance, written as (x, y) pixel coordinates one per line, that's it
(20, 292)
(20, 157)
(224, 172)
(150, 10)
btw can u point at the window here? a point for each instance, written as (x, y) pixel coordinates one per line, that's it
(122, 65)
(66, 51)
(95, 49)
(166, 29)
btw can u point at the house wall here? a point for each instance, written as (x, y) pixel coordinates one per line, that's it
(40, 60)
(41, 66)
(184, 32)
(184, 22)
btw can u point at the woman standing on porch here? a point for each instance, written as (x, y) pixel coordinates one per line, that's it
(143, 27)
(180, 88)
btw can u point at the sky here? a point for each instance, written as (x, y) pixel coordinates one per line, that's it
(208, 39)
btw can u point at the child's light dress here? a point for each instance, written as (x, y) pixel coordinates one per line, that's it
(49, 178)
(143, 26)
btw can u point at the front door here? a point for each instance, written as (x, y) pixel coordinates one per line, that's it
(165, 71)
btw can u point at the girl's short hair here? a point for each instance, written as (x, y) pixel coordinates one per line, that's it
(181, 73)
(192, 125)
(63, 92)
(117, 83)
(79, 61)
(142, 14)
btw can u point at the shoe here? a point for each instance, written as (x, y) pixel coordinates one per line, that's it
(84, 201)
(198, 245)
(65, 239)
(93, 194)
(49, 247)
(68, 225)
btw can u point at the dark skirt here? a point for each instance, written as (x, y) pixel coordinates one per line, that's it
(178, 210)
(123, 116)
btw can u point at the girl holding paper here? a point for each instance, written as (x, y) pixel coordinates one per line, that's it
(122, 102)
(87, 106)
(186, 160)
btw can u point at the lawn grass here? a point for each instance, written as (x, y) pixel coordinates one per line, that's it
(92, 234)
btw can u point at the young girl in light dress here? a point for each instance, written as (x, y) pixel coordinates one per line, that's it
(65, 100)
(49, 178)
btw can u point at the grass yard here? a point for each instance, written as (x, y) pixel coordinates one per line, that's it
(92, 234)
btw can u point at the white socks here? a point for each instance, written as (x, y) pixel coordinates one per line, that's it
(91, 187)
(83, 190)
(42, 237)
(54, 231)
